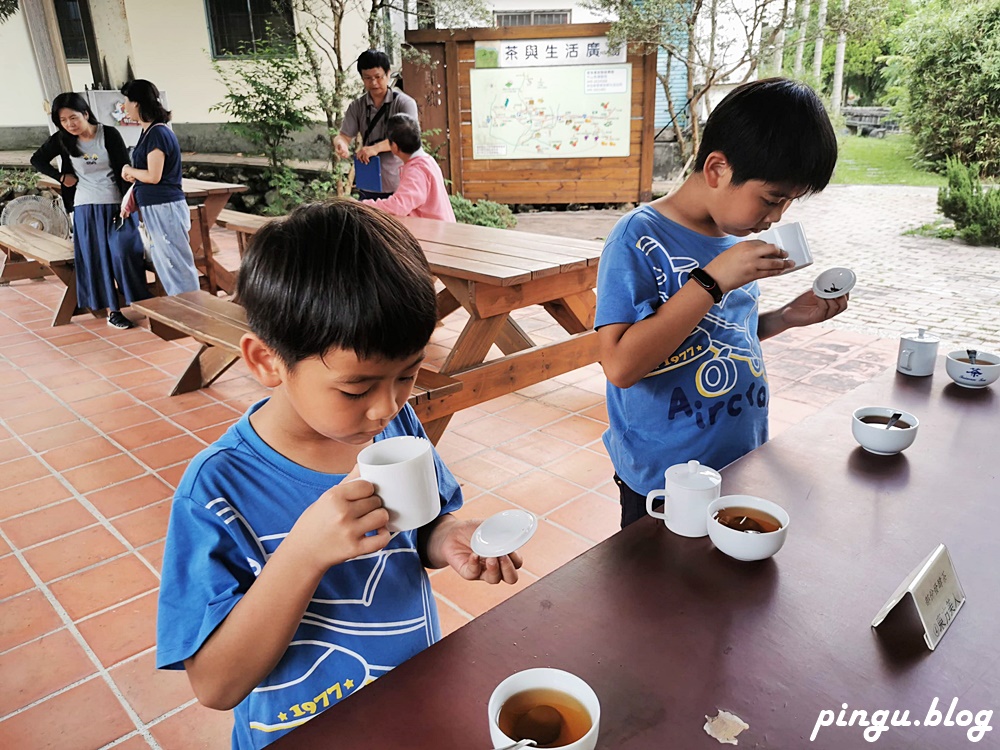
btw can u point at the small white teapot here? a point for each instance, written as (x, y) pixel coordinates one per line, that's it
(688, 490)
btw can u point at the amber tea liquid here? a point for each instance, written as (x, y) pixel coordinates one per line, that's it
(575, 723)
(747, 519)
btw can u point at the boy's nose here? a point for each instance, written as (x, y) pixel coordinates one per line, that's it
(383, 406)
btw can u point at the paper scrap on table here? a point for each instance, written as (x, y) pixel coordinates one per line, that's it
(725, 727)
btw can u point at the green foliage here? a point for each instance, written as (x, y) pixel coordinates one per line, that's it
(266, 89)
(286, 190)
(483, 212)
(975, 209)
(7, 9)
(14, 182)
(946, 77)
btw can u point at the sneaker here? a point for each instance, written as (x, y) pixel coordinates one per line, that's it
(117, 320)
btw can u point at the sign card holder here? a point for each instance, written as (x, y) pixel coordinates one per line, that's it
(936, 593)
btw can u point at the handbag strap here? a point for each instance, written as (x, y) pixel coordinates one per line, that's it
(373, 122)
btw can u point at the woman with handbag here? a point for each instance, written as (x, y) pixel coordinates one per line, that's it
(156, 176)
(107, 250)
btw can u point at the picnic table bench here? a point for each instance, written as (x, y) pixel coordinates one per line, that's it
(218, 325)
(491, 273)
(43, 254)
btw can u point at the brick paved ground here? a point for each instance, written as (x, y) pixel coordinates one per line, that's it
(951, 288)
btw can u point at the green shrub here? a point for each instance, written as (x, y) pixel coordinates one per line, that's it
(483, 212)
(946, 75)
(974, 209)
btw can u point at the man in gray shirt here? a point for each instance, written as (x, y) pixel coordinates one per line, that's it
(368, 114)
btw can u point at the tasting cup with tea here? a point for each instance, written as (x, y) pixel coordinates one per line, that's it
(971, 368)
(554, 708)
(402, 470)
(791, 238)
(871, 427)
(746, 527)
(688, 489)
(917, 353)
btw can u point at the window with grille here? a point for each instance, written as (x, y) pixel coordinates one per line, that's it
(531, 17)
(236, 24)
(71, 30)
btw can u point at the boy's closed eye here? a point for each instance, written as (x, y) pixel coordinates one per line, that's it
(402, 379)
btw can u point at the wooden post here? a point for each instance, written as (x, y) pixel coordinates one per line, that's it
(109, 42)
(50, 57)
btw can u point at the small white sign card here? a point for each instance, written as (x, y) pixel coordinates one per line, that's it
(936, 593)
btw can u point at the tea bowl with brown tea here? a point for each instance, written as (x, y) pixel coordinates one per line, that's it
(971, 368)
(553, 707)
(746, 527)
(870, 427)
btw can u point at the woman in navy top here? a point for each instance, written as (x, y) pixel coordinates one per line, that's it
(156, 173)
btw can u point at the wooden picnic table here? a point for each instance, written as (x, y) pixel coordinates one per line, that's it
(491, 273)
(213, 196)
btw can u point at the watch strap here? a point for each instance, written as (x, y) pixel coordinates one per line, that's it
(705, 280)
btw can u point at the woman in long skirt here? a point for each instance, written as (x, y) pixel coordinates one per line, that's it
(156, 174)
(108, 254)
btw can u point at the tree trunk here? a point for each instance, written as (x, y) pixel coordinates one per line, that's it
(802, 8)
(818, 51)
(837, 95)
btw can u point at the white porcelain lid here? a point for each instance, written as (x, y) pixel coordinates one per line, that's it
(834, 282)
(921, 335)
(693, 476)
(503, 533)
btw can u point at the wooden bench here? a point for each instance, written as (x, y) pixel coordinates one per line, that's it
(45, 253)
(218, 325)
(245, 225)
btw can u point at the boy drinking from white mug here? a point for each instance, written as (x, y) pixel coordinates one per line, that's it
(282, 591)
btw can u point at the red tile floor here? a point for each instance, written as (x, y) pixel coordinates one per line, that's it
(91, 447)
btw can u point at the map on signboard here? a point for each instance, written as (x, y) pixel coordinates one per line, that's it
(545, 113)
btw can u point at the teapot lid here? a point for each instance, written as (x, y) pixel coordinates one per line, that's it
(693, 475)
(920, 335)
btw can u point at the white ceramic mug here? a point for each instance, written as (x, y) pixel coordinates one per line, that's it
(688, 489)
(402, 470)
(553, 679)
(917, 353)
(791, 238)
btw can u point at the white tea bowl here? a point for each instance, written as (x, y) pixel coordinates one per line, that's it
(979, 375)
(744, 545)
(875, 438)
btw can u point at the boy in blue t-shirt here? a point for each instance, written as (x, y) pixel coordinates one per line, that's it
(677, 291)
(282, 590)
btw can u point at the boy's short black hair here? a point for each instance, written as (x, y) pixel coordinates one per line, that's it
(373, 58)
(774, 130)
(337, 275)
(404, 131)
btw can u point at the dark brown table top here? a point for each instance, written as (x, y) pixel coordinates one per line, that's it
(668, 629)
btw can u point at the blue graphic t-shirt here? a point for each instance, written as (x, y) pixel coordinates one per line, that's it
(237, 501)
(707, 401)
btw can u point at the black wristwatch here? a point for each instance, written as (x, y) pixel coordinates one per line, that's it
(709, 284)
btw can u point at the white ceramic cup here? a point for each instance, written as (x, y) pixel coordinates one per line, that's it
(791, 238)
(402, 470)
(688, 489)
(555, 679)
(917, 353)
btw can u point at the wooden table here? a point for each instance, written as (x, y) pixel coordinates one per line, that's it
(668, 629)
(491, 273)
(213, 196)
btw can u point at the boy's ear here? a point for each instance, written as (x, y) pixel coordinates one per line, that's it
(716, 170)
(264, 364)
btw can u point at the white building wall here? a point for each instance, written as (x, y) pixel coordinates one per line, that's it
(578, 14)
(171, 47)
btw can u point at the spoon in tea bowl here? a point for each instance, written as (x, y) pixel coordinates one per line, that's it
(893, 419)
(518, 745)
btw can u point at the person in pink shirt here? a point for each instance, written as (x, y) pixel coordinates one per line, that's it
(421, 190)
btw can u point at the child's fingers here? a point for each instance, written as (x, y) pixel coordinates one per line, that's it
(374, 542)
(373, 517)
(508, 569)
